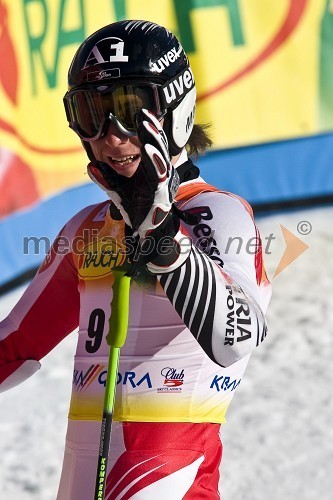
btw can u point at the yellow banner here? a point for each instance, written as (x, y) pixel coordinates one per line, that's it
(263, 68)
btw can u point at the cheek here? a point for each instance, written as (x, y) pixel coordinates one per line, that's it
(135, 141)
(96, 149)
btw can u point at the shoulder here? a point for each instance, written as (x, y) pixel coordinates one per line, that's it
(199, 193)
(87, 217)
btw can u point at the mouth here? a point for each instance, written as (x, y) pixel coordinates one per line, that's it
(124, 160)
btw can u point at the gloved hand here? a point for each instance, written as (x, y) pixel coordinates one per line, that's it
(156, 164)
(145, 199)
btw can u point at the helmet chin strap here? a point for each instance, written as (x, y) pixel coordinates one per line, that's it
(88, 150)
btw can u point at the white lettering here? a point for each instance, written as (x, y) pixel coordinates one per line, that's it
(116, 45)
(95, 56)
(164, 61)
(176, 88)
(179, 85)
(169, 96)
(188, 79)
(171, 55)
(119, 55)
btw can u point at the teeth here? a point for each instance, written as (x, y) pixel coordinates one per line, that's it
(124, 159)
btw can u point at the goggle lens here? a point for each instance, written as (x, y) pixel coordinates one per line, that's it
(88, 109)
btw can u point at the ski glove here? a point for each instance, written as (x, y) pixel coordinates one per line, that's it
(145, 199)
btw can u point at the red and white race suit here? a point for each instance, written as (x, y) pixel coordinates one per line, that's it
(190, 336)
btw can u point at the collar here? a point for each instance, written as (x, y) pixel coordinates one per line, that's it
(187, 171)
(182, 158)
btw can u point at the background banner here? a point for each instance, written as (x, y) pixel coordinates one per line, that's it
(263, 69)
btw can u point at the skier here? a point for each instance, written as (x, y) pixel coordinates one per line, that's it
(196, 309)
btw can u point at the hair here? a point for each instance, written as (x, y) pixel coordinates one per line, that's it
(199, 140)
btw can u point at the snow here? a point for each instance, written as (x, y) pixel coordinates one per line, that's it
(278, 442)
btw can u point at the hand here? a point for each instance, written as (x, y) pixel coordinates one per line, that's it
(161, 176)
(145, 199)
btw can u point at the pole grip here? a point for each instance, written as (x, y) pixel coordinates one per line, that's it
(118, 322)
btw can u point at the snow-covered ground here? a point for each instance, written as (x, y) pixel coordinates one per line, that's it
(278, 442)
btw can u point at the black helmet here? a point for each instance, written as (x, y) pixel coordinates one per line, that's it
(123, 67)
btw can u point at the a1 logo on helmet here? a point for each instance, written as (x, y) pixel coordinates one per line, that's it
(104, 52)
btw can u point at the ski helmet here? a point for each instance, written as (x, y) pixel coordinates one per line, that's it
(126, 66)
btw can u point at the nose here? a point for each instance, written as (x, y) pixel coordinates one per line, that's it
(114, 137)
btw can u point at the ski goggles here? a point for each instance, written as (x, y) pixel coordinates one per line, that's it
(90, 109)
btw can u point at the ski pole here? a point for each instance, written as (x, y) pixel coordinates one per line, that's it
(116, 337)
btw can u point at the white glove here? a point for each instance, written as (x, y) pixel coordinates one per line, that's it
(145, 199)
(157, 165)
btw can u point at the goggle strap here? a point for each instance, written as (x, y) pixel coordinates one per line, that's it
(177, 88)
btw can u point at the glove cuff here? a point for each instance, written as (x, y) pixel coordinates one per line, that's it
(171, 247)
(172, 252)
(164, 249)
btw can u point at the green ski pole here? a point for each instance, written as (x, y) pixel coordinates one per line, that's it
(116, 337)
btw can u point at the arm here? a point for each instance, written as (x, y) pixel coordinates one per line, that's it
(215, 304)
(221, 306)
(45, 314)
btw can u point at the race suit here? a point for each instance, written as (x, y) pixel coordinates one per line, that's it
(189, 339)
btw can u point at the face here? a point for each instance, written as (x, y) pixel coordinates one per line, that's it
(120, 152)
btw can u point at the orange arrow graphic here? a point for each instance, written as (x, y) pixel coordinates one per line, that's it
(294, 248)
